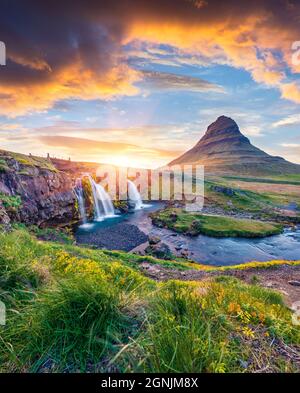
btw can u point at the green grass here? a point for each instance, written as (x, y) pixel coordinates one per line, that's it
(30, 161)
(261, 204)
(208, 327)
(11, 202)
(271, 180)
(74, 309)
(61, 235)
(194, 223)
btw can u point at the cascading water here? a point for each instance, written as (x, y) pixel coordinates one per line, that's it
(80, 198)
(103, 205)
(134, 195)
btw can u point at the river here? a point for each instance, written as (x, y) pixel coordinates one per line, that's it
(126, 232)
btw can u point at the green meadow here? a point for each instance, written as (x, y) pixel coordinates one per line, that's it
(72, 309)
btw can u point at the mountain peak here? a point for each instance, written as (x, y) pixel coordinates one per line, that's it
(224, 148)
(223, 124)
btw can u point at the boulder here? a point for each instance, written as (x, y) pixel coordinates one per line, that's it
(294, 283)
(224, 190)
(154, 239)
(160, 250)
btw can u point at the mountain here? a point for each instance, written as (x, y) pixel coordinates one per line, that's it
(224, 149)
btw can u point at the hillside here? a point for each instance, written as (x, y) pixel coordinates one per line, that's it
(72, 309)
(224, 149)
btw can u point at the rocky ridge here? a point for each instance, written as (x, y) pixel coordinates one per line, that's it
(34, 192)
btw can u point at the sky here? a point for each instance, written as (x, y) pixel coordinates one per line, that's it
(137, 82)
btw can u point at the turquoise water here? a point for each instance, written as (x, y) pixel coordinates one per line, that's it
(203, 249)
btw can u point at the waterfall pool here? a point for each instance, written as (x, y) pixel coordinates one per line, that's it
(129, 231)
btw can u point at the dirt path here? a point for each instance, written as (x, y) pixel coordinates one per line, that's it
(276, 278)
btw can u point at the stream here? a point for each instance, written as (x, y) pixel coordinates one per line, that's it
(129, 231)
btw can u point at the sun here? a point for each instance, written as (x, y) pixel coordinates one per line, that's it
(127, 161)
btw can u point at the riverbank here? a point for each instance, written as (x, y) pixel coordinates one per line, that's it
(202, 249)
(192, 224)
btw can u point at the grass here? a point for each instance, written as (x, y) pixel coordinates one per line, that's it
(61, 235)
(260, 204)
(209, 327)
(75, 309)
(24, 160)
(11, 203)
(293, 179)
(194, 223)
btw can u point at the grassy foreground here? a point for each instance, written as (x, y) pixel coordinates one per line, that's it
(182, 221)
(75, 309)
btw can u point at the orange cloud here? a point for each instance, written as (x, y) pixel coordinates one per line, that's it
(107, 152)
(291, 91)
(71, 82)
(77, 50)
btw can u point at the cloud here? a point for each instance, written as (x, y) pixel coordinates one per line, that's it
(103, 151)
(291, 91)
(167, 81)
(10, 127)
(290, 151)
(81, 144)
(148, 135)
(296, 145)
(140, 55)
(78, 49)
(287, 121)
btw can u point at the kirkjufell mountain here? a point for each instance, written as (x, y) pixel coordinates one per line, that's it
(224, 148)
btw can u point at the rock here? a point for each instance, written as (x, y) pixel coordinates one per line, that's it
(121, 207)
(154, 239)
(284, 292)
(294, 283)
(173, 216)
(160, 250)
(122, 236)
(224, 190)
(4, 219)
(178, 248)
(184, 253)
(47, 195)
(269, 284)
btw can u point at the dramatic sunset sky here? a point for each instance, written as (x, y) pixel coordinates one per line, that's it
(138, 81)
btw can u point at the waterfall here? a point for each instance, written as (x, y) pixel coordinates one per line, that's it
(103, 205)
(134, 195)
(80, 198)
